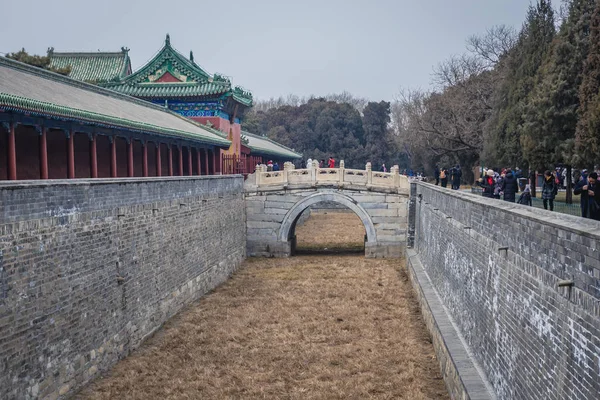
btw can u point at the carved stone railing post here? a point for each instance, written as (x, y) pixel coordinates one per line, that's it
(260, 176)
(341, 172)
(314, 172)
(286, 167)
(395, 170)
(369, 174)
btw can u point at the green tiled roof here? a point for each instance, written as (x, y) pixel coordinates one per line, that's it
(194, 81)
(264, 145)
(93, 67)
(24, 88)
(150, 90)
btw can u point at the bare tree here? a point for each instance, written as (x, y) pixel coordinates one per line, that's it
(457, 69)
(293, 100)
(493, 45)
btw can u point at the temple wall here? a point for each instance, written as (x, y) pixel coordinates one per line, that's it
(90, 268)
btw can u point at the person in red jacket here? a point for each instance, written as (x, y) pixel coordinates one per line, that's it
(331, 163)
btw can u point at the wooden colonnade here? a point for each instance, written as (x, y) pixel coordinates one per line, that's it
(203, 162)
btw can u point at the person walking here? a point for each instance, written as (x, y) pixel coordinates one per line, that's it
(436, 174)
(590, 196)
(331, 163)
(456, 177)
(443, 177)
(549, 190)
(510, 186)
(383, 168)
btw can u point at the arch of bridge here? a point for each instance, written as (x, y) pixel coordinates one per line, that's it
(292, 215)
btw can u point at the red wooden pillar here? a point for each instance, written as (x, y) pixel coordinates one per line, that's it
(198, 162)
(130, 158)
(145, 159)
(113, 157)
(170, 160)
(12, 153)
(190, 168)
(93, 157)
(43, 154)
(158, 161)
(205, 155)
(180, 148)
(71, 154)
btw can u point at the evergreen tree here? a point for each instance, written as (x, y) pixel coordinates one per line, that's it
(551, 113)
(587, 144)
(519, 69)
(376, 118)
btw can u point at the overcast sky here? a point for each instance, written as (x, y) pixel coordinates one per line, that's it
(270, 47)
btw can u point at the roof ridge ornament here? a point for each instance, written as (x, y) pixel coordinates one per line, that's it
(125, 49)
(191, 56)
(168, 40)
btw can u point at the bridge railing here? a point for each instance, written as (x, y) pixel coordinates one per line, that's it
(315, 176)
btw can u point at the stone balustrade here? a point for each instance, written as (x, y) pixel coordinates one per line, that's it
(341, 177)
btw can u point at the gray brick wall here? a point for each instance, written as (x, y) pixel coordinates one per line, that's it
(496, 267)
(89, 268)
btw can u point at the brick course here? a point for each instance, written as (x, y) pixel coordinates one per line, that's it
(496, 267)
(89, 268)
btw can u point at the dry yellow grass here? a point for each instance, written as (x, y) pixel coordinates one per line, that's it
(332, 231)
(311, 327)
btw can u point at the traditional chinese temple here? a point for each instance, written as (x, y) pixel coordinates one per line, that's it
(177, 83)
(54, 127)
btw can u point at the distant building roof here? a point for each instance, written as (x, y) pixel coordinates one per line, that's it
(93, 67)
(25, 88)
(263, 145)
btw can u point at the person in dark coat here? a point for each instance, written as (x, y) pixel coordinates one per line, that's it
(510, 186)
(456, 175)
(487, 183)
(525, 197)
(590, 196)
(436, 174)
(549, 190)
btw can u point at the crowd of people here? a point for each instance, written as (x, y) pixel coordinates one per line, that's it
(322, 164)
(507, 183)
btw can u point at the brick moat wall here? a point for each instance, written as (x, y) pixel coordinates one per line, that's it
(89, 268)
(496, 267)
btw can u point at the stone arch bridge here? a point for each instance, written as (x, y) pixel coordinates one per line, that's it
(276, 199)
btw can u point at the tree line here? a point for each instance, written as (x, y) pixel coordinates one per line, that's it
(527, 98)
(340, 126)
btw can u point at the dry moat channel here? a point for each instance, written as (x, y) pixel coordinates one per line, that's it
(313, 326)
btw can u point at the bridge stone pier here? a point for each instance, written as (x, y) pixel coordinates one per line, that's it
(275, 201)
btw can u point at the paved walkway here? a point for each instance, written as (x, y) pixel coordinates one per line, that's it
(307, 327)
